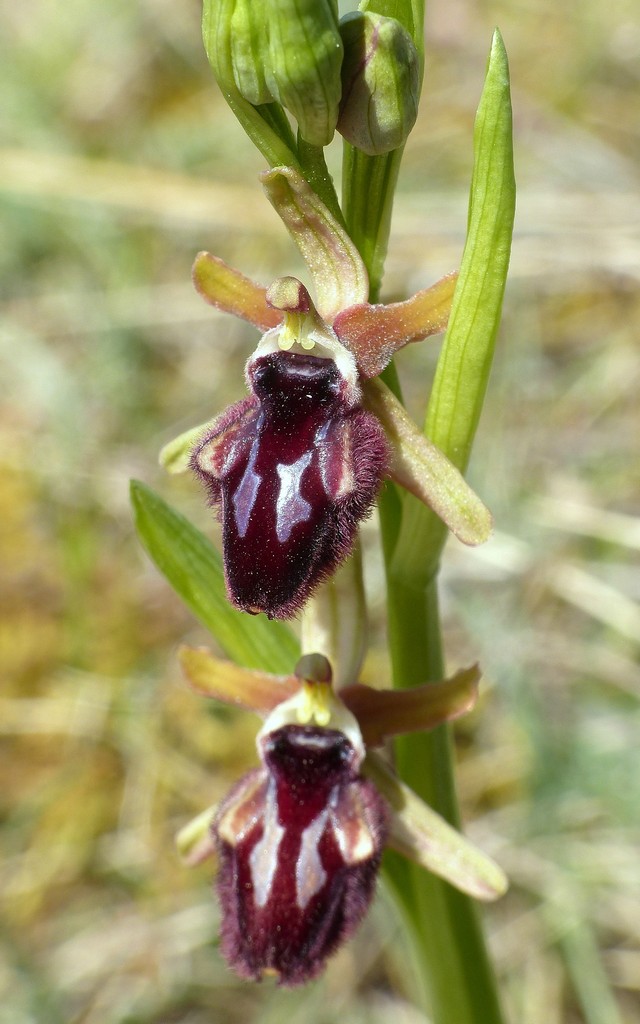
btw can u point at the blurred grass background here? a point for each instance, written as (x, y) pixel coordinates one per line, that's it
(118, 161)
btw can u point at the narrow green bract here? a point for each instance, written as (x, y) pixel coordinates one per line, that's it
(465, 360)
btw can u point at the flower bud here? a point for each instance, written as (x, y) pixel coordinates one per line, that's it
(380, 83)
(249, 52)
(304, 59)
(287, 51)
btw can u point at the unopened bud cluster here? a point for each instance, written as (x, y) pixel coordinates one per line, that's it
(359, 75)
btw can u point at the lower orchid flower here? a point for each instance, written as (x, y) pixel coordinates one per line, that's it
(295, 467)
(300, 838)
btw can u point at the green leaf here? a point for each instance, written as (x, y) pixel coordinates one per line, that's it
(194, 569)
(465, 360)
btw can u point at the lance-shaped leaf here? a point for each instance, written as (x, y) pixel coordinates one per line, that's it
(417, 832)
(194, 569)
(231, 292)
(230, 683)
(424, 470)
(384, 713)
(467, 351)
(463, 368)
(374, 333)
(339, 275)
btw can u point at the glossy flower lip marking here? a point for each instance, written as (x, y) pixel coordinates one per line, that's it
(296, 466)
(293, 468)
(299, 839)
(299, 842)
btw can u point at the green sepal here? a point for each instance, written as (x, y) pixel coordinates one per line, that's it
(175, 455)
(304, 56)
(421, 834)
(249, 52)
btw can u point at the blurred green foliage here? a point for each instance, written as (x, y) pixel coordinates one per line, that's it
(118, 162)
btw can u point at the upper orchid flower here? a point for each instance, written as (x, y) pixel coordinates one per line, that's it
(299, 839)
(296, 465)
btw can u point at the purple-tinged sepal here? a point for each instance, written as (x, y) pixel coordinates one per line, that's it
(424, 470)
(375, 332)
(339, 275)
(422, 835)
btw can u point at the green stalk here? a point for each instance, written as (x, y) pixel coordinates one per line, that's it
(314, 167)
(443, 924)
(368, 186)
(369, 182)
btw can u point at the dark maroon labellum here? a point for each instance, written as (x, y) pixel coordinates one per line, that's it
(294, 468)
(299, 842)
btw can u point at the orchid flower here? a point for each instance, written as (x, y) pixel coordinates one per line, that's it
(294, 467)
(299, 839)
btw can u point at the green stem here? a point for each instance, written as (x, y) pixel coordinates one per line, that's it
(315, 170)
(455, 976)
(444, 923)
(275, 118)
(368, 187)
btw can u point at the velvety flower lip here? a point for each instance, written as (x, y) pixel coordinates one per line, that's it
(299, 839)
(295, 467)
(299, 843)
